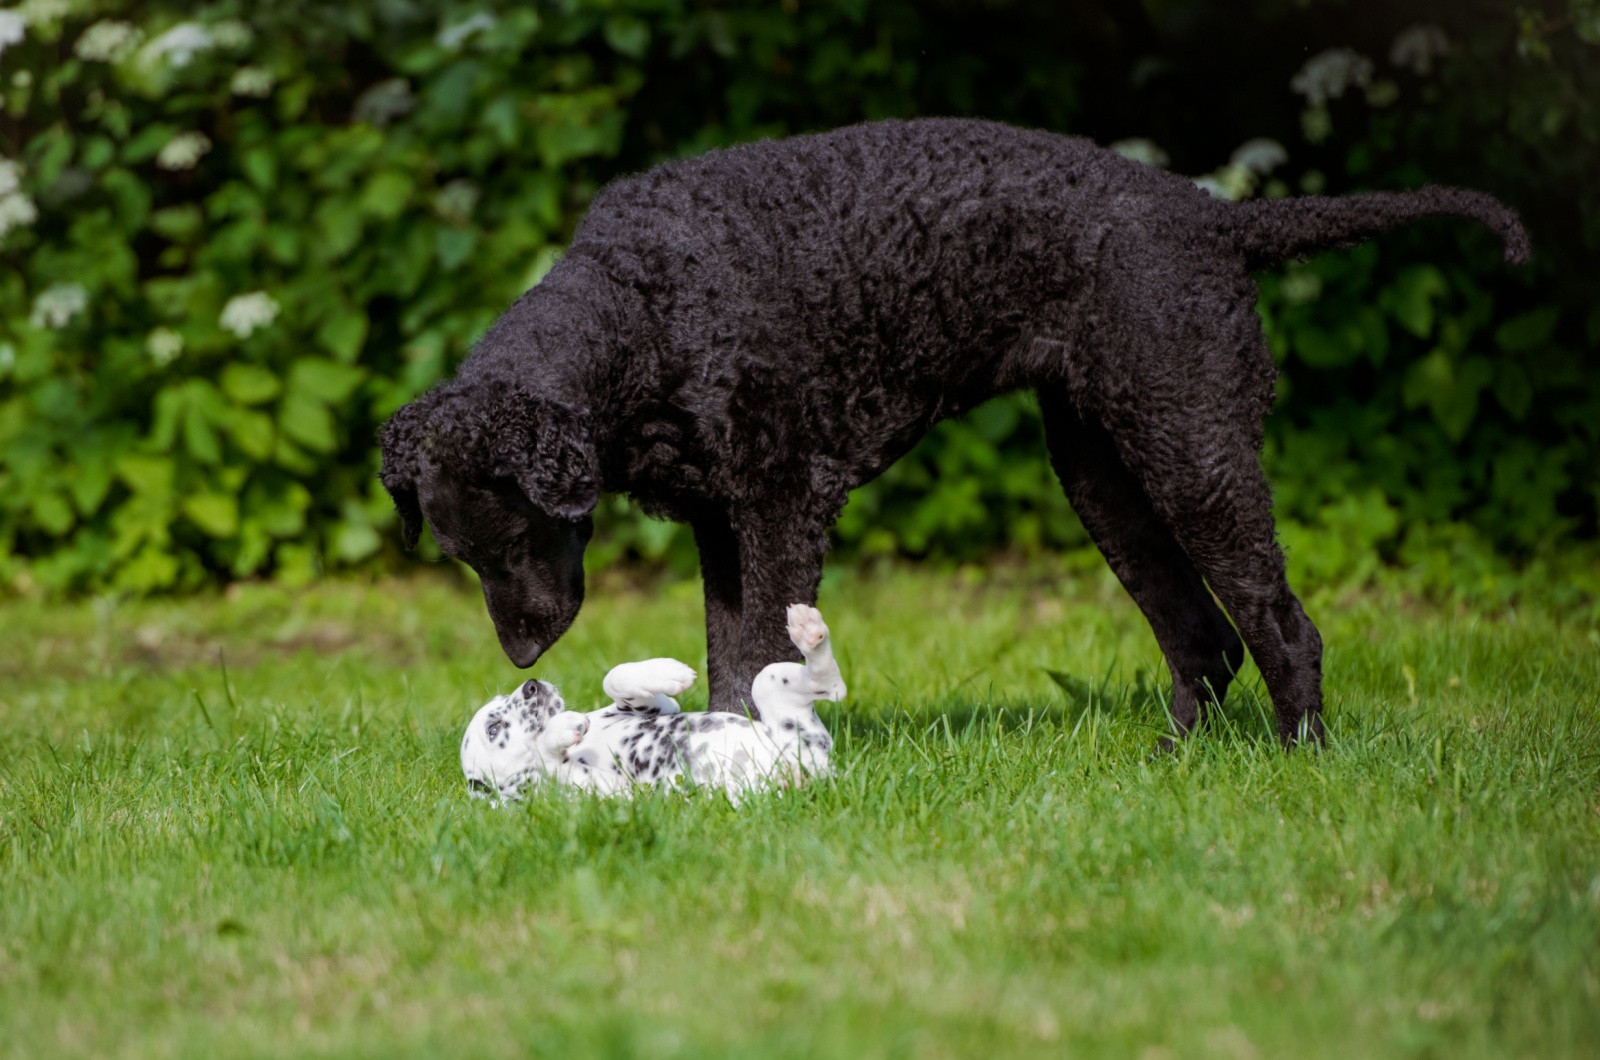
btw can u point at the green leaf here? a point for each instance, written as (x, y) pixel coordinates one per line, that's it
(287, 456)
(89, 483)
(343, 334)
(281, 514)
(217, 514)
(255, 546)
(1528, 331)
(1451, 392)
(178, 223)
(627, 35)
(353, 542)
(338, 227)
(170, 404)
(386, 194)
(324, 380)
(502, 118)
(151, 569)
(147, 141)
(1410, 298)
(307, 421)
(1321, 348)
(198, 437)
(1513, 390)
(52, 512)
(260, 165)
(252, 432)
(249, 384)
(97, 153)
(130, 198)
(145, 474)
(454, 246)
(208, 401)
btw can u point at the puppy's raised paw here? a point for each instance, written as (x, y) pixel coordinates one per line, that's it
(806, 627)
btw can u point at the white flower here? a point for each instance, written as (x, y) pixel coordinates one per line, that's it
(44, 12)
(384, 102)
(1142, 150)
(454, 36)
(1260, 156)
(179, 45)
(1416, 47)
(13, 26)
(163, 345)
(107, 41)
(245, 313)
(251, 81)
(1327, 74)
(183, 151)
(16, 211)
(56, 305)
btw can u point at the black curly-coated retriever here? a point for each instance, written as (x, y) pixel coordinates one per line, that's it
(737, 340)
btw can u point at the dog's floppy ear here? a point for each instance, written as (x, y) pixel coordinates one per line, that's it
(405, 502)
(401, 440)
(547, 446)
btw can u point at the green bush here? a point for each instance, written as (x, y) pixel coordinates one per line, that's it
(237, 237)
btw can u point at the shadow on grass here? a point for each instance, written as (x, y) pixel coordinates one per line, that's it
(1246, 715)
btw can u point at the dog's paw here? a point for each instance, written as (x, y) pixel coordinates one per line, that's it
(636, 681)
(806, 628)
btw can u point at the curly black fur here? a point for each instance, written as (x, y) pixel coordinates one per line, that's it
(738, 340)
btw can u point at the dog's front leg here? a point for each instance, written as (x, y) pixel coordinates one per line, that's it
(780, 564)
(719, 567)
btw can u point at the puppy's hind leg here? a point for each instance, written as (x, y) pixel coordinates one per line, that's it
(648, 685)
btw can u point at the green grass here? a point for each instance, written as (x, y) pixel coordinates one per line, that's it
(278, 857)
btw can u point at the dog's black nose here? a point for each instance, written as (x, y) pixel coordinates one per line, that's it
(525, 654)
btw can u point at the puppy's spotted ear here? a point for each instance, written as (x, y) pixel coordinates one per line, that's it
(548, 447)
(402, 440)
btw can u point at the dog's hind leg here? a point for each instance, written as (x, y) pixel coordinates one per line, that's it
(1187, 423)
(1201, 648)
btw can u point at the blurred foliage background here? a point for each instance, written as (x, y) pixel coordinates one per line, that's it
(237, 236)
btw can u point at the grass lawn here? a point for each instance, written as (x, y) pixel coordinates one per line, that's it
(278, 857)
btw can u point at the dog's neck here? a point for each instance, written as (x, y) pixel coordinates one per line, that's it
(570, 337)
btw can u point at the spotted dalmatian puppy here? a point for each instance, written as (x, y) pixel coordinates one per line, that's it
(644, 738)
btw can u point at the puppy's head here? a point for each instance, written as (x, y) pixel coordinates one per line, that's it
(505, 746)
(509, 481)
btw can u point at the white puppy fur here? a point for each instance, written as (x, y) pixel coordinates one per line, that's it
(644, 738)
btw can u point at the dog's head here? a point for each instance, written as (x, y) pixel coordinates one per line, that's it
(508, 480)
(517, 738)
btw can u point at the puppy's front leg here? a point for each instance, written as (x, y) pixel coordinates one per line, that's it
(810, 634)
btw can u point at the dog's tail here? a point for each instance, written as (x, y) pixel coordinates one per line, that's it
(1270, 231)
